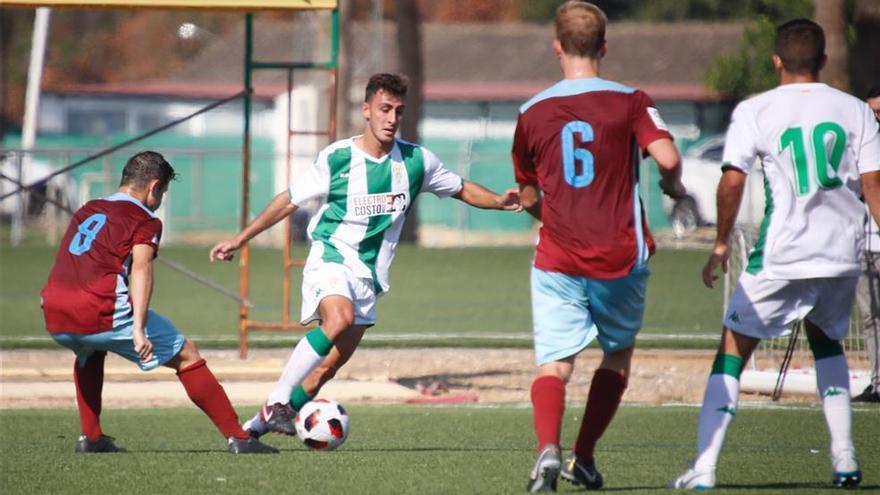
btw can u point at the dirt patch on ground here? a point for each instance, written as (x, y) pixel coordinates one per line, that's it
(32, 378)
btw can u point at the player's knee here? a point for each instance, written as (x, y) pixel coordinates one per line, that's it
(336, 323)
(560, 370)
(188, 354)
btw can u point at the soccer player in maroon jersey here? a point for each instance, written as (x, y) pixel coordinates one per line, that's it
(97, 300)
(576, 155)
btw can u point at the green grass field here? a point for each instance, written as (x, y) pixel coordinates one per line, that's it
(419, 449)
(438, 296)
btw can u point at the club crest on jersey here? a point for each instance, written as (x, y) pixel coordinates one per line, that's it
(657, 119)
(371, 205)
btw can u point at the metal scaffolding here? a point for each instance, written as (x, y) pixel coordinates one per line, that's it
(245, 324)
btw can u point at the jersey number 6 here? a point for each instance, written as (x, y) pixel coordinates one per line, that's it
(86, 233)
(572, 154)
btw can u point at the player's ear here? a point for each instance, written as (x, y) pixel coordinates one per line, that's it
(823, 61)
(603, 50)
(777, 62)
(557, 49)
(154, 186)
(365, 109)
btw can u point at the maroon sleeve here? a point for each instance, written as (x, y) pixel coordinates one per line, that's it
(523, 162)
(648, 126)
(148, 232)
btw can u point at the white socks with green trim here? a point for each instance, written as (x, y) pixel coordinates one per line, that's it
(719, 408)
(832, 379)
(306, 356)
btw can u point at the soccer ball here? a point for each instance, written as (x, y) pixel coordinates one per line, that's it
(322, 424)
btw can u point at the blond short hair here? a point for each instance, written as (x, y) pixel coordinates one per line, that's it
(580, 28)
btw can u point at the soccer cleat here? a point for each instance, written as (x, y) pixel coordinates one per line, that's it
(846, 470)
(278, 418)
(546, 470)
(579, 472)
(694, 480)
(103, 445)
(254, 426)
(870, 394)
(249, 445)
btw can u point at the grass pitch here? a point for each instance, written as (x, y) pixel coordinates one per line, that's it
(439, 296)
(418, 449)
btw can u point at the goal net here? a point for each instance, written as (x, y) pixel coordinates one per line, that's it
(762, 372)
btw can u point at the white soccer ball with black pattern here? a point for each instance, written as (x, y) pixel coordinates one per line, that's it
(322, 424)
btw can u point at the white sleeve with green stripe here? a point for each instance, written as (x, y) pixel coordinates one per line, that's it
(438, 179)
(313, 183)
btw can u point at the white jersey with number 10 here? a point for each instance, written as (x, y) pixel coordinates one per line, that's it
(812, 142)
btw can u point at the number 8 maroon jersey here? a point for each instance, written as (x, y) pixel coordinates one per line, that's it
(87, 290)
(579, 142)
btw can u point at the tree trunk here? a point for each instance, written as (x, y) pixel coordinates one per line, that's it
(865, 61)
(409, 43)
(831, 15)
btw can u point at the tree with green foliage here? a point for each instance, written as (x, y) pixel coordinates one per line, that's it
(749, 70)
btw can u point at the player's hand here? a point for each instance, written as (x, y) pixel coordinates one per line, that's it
(224, 251)
(510, 200)
(674, 191)
(719, 256)
(142, 346)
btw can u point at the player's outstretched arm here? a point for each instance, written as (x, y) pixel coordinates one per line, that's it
(664, 152)
(730, 192)
(871, 191)
(480, 197)
(278, 209)
(140, 290)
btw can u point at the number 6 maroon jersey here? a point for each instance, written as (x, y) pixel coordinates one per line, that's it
(87, 291)
(579, 142)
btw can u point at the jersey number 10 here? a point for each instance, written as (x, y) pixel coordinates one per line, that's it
(794, 137)
(86, 233)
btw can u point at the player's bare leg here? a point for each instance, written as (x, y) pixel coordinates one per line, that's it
(343, 348)
(206, 392)
(719, 408)
(832, 380)
(337, 320)
(548, 404)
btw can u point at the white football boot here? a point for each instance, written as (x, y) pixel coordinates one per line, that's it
(694, 480)
(846, 470)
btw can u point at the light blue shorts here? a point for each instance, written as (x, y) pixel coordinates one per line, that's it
(166, 340)
(568, 312)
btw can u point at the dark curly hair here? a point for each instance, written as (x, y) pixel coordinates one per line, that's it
(394, 84)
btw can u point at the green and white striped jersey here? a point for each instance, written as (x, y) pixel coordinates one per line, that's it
(812, 142)
(364, 201)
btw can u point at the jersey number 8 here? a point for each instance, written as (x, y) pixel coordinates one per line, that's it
(86, 233)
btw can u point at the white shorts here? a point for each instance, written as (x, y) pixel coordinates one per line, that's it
(763, 308)
(334, 279)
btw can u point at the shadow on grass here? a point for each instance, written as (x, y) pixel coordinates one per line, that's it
(412, 449)
(791, 486)
(445, 380)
